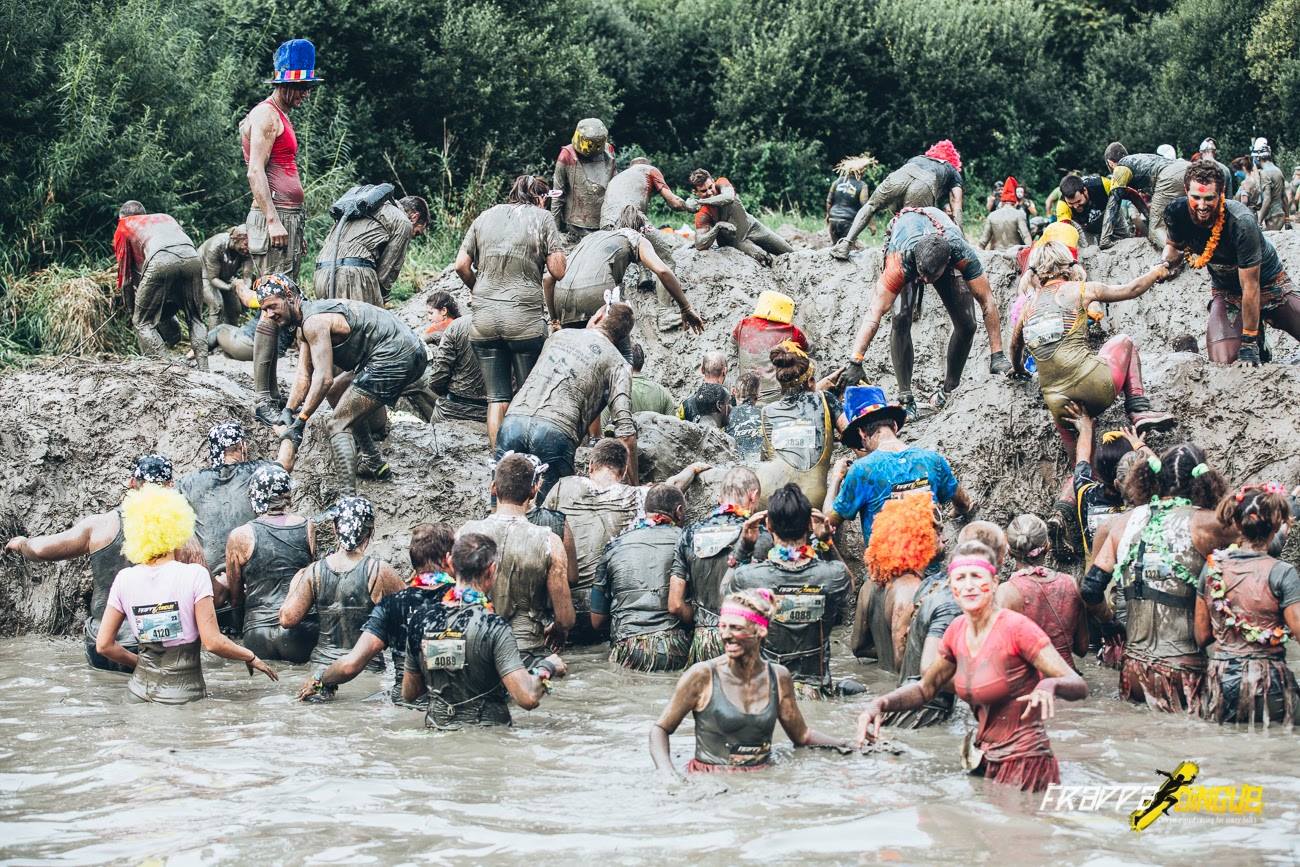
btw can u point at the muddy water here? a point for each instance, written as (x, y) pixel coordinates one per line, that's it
(250, 775)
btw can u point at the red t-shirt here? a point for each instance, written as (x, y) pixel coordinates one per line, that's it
(136, 238)
(707, 215)
(753, 334)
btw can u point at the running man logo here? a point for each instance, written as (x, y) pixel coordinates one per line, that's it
(1234, 804)
(1165, 797)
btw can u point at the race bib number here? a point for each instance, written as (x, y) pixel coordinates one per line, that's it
(795, 435)
(748, 755)
(902, 489)
(1099, 516)
(444, 651)
(709, 542)
(1154, 567)
(800, 603)
(155, 623)
(1049, 329)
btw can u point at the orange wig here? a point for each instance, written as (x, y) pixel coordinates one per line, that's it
(903, 538)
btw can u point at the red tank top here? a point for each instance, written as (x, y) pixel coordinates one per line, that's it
(282, 164)
(1054, 604)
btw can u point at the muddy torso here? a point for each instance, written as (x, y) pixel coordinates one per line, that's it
(1051, 599)
(551, 519)
(523, 564)
(278, 553)
(1055, 332)
(636, 566)
(463, 652)
(726, 735)
(745, 426)
(797, 429)
(219, 260)
(1254, 587)
(935, 610)
(880, 619)
(104, 566)
(1004, 225)
(596, 266)
(1272, 179)
(577, 375)
(701, 560)
(595, 515)
(509, 245)
(586, 181)
(846, 198)
(343, 603)
(373, 332)
(219, 498)
(1240, 243)
(281, 163)
(1160, 559)
(1145, 168)
(632, 186)
(755, 339)
(466, 375)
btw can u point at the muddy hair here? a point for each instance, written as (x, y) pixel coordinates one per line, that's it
(1203, 172)
(714, 363)
(527, 189)
(1107, 458)
(748, 386)
(618, 322)
(416, 205)
(976, 548)
(738, 484)
(1255, 511)
(665, 499)
(988, 534)
(514, 479)
(791, 367)
(444, 301)
(698, 178)
(789, 513)
(1027, 539)
(1115, 152)
(759, 600)
(631, 218)
(609, 453)
(1053, 261)
(1071, 185)
(430, 545)
(932, 254)
(130, 208)
(1172, 476)
(471, 556)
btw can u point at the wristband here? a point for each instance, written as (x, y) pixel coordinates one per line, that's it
(858, 359)
(1246, 332)
(304, 417)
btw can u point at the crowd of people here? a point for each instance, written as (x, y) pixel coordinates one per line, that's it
(744, 600)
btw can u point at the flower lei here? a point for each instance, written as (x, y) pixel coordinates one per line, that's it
(470, 596)
(730, 509)
(1270, 636)
(653, 520)
(1154, 535)
(429, 580)
(791, 553)
(1211, 245)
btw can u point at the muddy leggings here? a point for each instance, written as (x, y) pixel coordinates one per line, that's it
(500, 359)
(1223, 330)
(956, 298)
(232, 340)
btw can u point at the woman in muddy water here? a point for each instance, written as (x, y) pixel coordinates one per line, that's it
(1003, 665)
(167, 603)
(1249, 606)
(737, 698)
(1045, 596)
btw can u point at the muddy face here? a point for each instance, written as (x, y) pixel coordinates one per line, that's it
(282, 311)
(739, 637)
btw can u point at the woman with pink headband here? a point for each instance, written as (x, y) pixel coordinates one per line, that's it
(736, 698)
(1003, 665)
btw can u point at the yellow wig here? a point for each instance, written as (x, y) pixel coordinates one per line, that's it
(903, 538)
(155, 521)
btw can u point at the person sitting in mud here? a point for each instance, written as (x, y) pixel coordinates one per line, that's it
(218, 494)
(452, 385)
(1074, 381)
(166, 603)
(1006, 225)
(262, 556)
(343, 586)
(701, 407)
(799, 428)
(1004, 666)
(225, 266)
(754, 338)
(890, 468)
(1247, 279)
(463, 655)
(1084, 200)
(595, 272)
(848, 195)
(902, 549)
(1248, 605)
(1157, 179)
(811, 593)
(377, 355)
(583, 172)
(932, 180)
(386, 626)
(597, 507)
(98, 537)
(632, 590)
(236, 342)
(361, 257)
(1157, 559)
(745, 419)
(532, 577)
(160, 275)
(1047, 597)
(702, 558)
(923, 246)
(578, 375)
(736, 698)
(720, 217)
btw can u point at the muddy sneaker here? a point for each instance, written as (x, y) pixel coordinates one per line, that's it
(908, 403)
(938, 401)
(1060, 530)
(1144, 422)
(379, 471)
(267, 413)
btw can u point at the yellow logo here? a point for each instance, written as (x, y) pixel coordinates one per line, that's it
(1165, 797)
(1178, 795)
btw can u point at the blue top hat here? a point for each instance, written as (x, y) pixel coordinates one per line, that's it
(295, 63)
(864, 404)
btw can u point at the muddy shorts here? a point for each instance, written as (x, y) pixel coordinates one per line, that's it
(391, 371)
(1163, 686)
(1251, 690)
(276, 260)
(543, 440)
(654, 651)
(840, 229)
(503, 359)
(103, 663)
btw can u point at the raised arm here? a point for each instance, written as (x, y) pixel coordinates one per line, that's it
(73, 542)
(1106, 293)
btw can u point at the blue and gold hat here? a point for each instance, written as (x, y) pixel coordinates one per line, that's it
(295, 63)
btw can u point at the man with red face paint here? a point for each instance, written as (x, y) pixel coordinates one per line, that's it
(1247, 280)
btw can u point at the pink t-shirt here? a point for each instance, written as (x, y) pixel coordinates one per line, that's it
(158, 601)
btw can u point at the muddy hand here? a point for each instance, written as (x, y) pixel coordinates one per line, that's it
(869, 722)
(1248, 355)
(15, 545)
(749, 532)
(261, 666)
(276, 231)
(1039, 699)
(691, 321)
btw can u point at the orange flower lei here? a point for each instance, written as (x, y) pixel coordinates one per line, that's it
(1211, 245)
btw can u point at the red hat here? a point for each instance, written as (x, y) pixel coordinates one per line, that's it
(944, 150)
(1009, 190)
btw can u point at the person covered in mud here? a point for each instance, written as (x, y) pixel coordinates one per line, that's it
(1273, 208)
(701, 560)
(584, 169)
(799, 428)
(635, 186)
(720, 217)
(510, 260)
(98, 537)
(1157, 561)
(811, 593)
(647, 395)
(225, 266)
(932, 180)
(160, 275)
(1084, 200)
(923, 246)
(702, 406)
(594, 276)
(262, 556)
(166, 603)
(755, 336)
(1097, 481)
(1248, 605)
(276, 220)
(889, 469)
(1047, 597)
(1003, 665)
(1007, 224)
(848, 195)
(597, 507)
(736, 698)
(532, 579)
(745, 419)
(632, 592)
(361, 257)
(1248, 282)
(1158, 179)
(343, 587)
(1209, 150)
(463, 654)
(578, 375)
(430, 580)
(452, 385)
(377, 356)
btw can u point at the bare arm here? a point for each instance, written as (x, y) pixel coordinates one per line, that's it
(316, 334)
(570, 554)
(412, 685)
(390, 261)
(792, 721)
(961, 501)
(73, 542)
(677, 604)
(880, 305)
(1009, 597)
(1107, 294)
(956, 200)
(264, 127)
(688, 696)
(387, 582)
(676, 202)
(986, 236)
(1059, 679)
(1249, 278)
(302, 381)
(632, 470)
(205, 617)
(525, 688)
(465, 270)
(681, 481)
(239, 550)
(348, 667)
(1018, 345)
(979, 287)
(557, 265)
(904, 609)
(299, 599)
(106, 641)
(557, 585)
(833, 482)
(1022, 227)
(726, 195)
(704, 240)
(907, 697)
(649, 258)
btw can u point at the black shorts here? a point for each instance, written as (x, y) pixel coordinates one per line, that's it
(840, 229)
(385, 375)
(503, 360)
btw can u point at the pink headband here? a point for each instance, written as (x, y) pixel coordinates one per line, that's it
(977, 562)
(754, 617)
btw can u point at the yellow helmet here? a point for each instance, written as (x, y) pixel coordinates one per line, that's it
(1063, 232)
(775, 307)
(590, 137)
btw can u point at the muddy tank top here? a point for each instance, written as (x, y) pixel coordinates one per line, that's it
(1051, 599)
(709, 545)
(797, 430)
(373, 331)
(637, 564)
(1159, 569)
(800, 634)
(104, 566)
(1051, 329)
(219, 498)
(278, 553)
(281, 164)
(343, 603)
(1244, 579)
(587, 182)
(551, 519)
(523, 563)
(167, 675)
(726, 735)
(846, 199)
(458, 655)
(596, 269)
